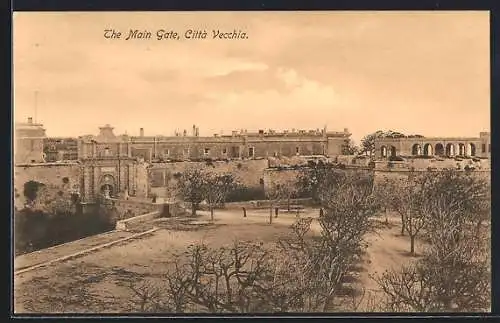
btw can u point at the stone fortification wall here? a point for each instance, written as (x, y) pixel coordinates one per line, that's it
(162, 177)
(57, 177)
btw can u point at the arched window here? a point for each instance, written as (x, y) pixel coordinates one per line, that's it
(383, 151)
(416, 150)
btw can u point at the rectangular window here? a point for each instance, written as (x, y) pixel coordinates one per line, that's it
(484, 148)
(186, 152)
(297, 151)
(224, 151)
(206, 152)
(166, 152)
(275, 154)
(251, 152)
(489, 148)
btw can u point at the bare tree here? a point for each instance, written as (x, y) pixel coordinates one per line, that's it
(190, 187)
(289, 190)
(303, 272)
(451, 278)
(385, 193)
(408, 199)
(274, 194)
(455, 198)
(216, 187)
(241, 278)
(325, 260)
(310, 178)
(454, 273)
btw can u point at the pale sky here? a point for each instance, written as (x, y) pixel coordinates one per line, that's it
(413, 72)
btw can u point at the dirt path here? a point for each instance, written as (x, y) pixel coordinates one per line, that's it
(387, 249)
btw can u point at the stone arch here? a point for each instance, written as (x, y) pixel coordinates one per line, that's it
(392, 151)
(107, 185)
(416, 149)
(470, 149)
(428, 150)
(383, 151)
(450, 150)
(461, 149)
(439, 149)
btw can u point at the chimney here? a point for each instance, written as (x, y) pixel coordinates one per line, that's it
(197, 131)
(30, 120)
(185, 132)
(141, 132)
(346, 130)
(194, 130)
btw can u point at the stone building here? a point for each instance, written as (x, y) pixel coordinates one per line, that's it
(28, 142)
(240, 144)
(60, 149)
(113, 164)
(434, 146)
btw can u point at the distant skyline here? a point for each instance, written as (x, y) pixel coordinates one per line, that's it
(422, 73)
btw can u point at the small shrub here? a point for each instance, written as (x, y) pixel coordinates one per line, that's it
(469, 168)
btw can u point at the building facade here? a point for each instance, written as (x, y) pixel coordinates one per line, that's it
(29, 140)
(113, 164)
(60, 149)
(434, 146)
(240, 144)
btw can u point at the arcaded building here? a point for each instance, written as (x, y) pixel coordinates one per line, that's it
(434, 146)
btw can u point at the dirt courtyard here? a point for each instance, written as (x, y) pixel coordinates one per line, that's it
(98, 282)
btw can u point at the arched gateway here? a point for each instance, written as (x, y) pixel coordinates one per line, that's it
(107, 185)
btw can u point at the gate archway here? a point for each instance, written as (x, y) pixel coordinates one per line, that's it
(107, 186)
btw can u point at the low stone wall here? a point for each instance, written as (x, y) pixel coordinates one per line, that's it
(132, 208)
(262, 204)
(124, 225)
(57, 177)
(435, 163)
(381, 175)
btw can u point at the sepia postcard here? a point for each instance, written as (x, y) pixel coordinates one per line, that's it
(251, 162)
